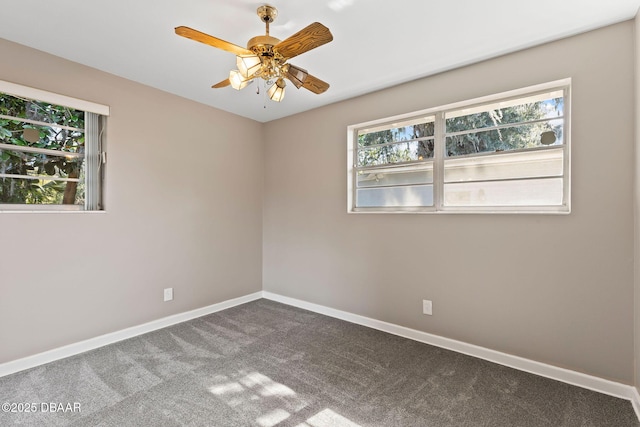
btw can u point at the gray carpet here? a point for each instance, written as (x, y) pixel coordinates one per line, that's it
(266, 364)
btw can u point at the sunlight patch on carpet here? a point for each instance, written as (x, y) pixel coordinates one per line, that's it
(273, 418)
(328, 418)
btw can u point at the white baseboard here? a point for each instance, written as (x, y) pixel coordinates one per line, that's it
(635, 401)
(93, 343)
(579, 379)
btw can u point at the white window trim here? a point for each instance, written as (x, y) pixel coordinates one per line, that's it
(52, 98)
(438, 159)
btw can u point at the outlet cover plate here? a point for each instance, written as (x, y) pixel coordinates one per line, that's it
(427, 307)
(168, 294)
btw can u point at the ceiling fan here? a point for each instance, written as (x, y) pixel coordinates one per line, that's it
(267, 57)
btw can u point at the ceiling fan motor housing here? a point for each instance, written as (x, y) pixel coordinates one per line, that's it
(259, 43)
(267, 13)
(263, 45)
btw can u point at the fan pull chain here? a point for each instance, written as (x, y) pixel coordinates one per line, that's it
(262, 82)
(264, 95)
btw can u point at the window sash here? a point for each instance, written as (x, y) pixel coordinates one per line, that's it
(47, 151)
(388, 144)
(39, 177)
(92, 162)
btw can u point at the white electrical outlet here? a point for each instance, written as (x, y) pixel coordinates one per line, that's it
(427, 307)
(168, 294)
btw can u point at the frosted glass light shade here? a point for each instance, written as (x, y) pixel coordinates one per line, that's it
(296, 75)
(248, 65)
(276, 92)
(237, 80)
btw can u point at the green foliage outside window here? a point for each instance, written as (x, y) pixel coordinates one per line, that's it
(62, 130)
(514, 127)
(411, 143)
(517, 137)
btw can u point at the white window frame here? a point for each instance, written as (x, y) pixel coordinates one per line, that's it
(439, 155)
(18, 90)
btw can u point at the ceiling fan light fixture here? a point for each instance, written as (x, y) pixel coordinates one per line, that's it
(248, 65)
(276, 92)
(265, 58)
(237, 81)
(296, 75)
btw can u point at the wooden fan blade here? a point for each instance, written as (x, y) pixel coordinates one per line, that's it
(223, 83)
(198, 36)
(304, 40)
(315, 85)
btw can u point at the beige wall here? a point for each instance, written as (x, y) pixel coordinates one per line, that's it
(184, 202)
(552, 288)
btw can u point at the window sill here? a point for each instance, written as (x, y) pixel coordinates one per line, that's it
(45, 211)
(530, 210)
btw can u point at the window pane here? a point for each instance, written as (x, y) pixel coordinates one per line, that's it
(34, 164)
(395, 176)
(396, 132)
(528, 164)
(40, 111)
(511, 138)
(395, 153)
(543, 106)
(533, 192)
(53, 138)
(34, 191)
(408, 196)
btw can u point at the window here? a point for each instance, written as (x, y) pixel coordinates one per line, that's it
(50, 151)
(504, 153)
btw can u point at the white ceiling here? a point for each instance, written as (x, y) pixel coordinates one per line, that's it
(376, 44)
